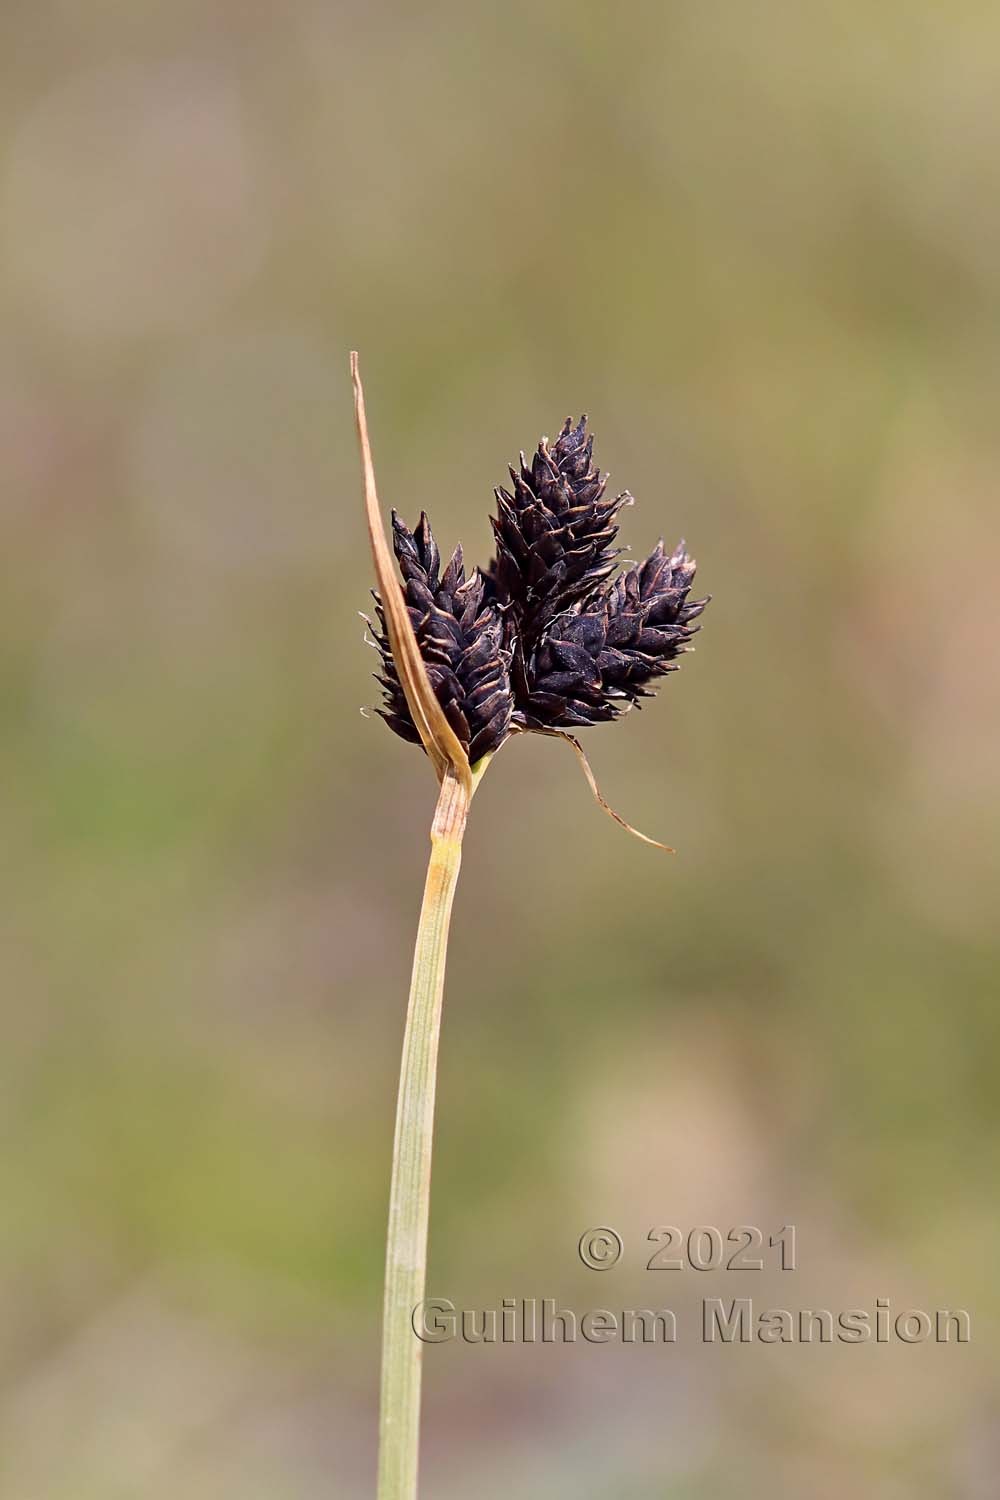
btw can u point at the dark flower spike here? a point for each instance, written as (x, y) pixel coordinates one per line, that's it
(555, 532)
(594, 663)
(549, 639)
(460, 637)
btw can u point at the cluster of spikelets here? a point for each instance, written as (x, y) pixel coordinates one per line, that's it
(551, 636)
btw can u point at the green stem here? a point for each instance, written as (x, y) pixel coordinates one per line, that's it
(409, 1195)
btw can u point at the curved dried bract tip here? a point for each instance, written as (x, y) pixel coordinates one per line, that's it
(460, 638)
(597, 661)
(599, 798)
(433, 730)
(555, 531)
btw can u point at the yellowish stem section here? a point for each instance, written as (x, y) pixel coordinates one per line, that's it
(409, 1196)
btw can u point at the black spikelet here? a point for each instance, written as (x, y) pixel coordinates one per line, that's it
(595, 661)
(555, 534)
(460, 636)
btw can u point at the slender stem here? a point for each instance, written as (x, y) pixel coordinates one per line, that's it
(409, 1195)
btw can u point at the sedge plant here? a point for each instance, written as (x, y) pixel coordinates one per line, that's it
(553, 636)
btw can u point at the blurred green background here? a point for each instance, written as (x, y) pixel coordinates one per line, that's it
(760, 245)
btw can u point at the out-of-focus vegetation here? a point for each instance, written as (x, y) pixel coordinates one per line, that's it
(760, 245)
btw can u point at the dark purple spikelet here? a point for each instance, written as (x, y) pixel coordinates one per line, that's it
(548, 638)
(555, 532)
(460, 636)
(595, 662)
